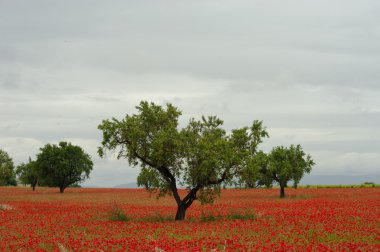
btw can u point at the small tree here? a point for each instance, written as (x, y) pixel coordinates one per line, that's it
(63, 165)
(7, 173)
(286, 164)
(28, 173)
(199, 157)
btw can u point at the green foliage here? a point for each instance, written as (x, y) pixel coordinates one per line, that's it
(369, 183)
(247, 214)
(63, 165)
(117, 214)
(28, 173)
(75, 185)
(208, 217)
(7, 173)
(242, 214)
(246, 140)
(150, 134)
(198, 157)
(287, 164)
(252, 175)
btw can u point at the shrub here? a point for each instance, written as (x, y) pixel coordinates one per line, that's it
(208, 217)
(241, 215)
(117, 214)
(159, 218)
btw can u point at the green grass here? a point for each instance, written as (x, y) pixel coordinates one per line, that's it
(241, 215)
(209, 217)
(159, 218)
(246, 214)
(117, 214)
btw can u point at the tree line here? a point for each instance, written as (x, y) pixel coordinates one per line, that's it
(61, 165)
(200, 157)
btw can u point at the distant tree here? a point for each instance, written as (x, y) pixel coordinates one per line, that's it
(199, 157)
(28, 173)
(7, 173)
(286, 164)
(63, 165)
(252, 175)
(252, 159)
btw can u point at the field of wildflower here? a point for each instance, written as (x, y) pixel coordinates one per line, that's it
(309, 219)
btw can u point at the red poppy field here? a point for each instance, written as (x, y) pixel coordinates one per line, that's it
(241, 220)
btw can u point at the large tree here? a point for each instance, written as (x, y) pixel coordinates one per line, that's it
(63, 165)
(199, 157)
(28, 173)
(286, 164)
(7, 173)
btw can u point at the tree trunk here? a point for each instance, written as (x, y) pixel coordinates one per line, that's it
(61, 189)
(34, 187)
(181, 211)
(282, 191)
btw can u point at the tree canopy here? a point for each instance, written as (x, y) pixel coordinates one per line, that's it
(252, 175)
(28, 173)
(7, 173)
(286, 164)
(198, 157)
(63, 165)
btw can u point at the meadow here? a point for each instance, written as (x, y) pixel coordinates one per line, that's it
(82, 219)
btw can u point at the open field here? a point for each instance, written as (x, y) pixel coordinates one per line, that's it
(330, 219)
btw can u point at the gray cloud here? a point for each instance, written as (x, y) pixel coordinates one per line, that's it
(309, 70)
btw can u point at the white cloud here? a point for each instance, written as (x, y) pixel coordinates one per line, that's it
(20, 149)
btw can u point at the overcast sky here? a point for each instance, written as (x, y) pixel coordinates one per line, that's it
(309, 69)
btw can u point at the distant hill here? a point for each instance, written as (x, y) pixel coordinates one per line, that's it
(129, 185)
(91, 186)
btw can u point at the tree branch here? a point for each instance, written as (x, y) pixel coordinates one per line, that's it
(216, 182)
(275, 177)
(164, 171)
(192, 194)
